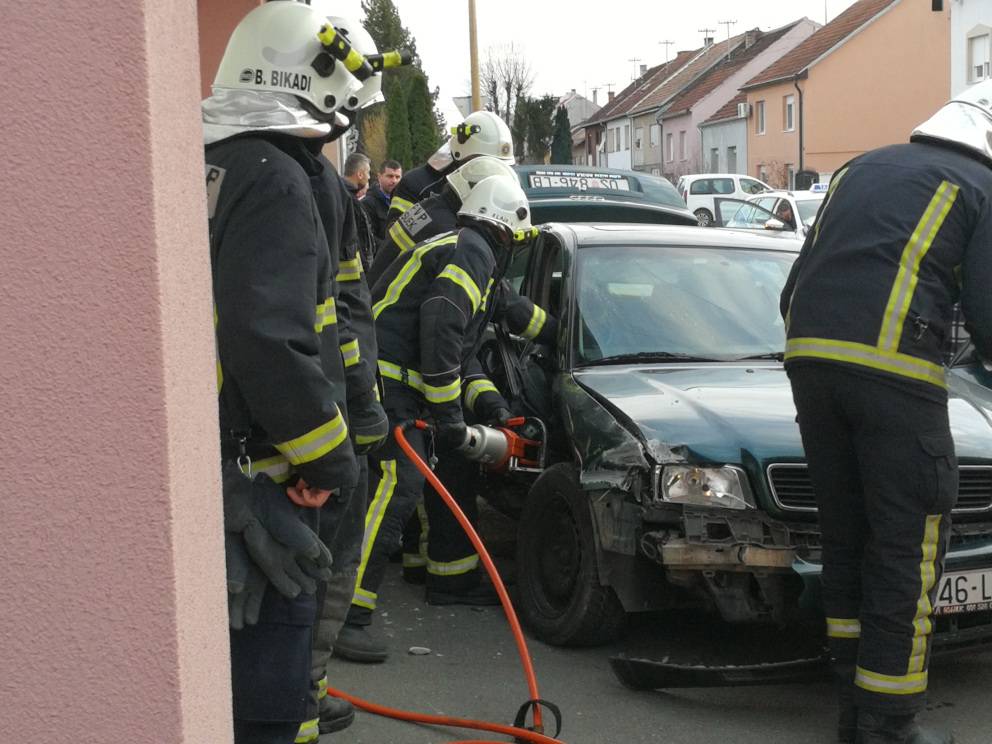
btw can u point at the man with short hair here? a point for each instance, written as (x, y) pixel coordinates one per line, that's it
(356, 173)
(380, 194)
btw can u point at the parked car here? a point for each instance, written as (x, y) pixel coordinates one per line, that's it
(699, 192)
(581, 193)
(787, 212)
(675, 473)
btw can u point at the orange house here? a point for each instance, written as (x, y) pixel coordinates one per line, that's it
(862, 81)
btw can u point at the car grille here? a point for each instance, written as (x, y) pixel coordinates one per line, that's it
(792, 490)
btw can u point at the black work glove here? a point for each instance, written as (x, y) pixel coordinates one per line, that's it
(367, 422)
(245, 583)
(450, 435)
(285, 549)
(499, 417)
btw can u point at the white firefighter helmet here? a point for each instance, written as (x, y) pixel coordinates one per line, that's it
(464, 178)
(965, 122)
(363, 43)
(500, 201)
(482, 133)
(286, 47)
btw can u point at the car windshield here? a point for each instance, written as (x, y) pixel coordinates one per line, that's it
(650, 303)
(807, 209)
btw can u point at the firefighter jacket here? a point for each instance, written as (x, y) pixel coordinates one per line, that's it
(903, 233)
(414, 186)
(430, 308)
(356, 335)
(376, 206)
(280, 371)
(434, 215)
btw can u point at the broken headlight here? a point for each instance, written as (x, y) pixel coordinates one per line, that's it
(724, 487)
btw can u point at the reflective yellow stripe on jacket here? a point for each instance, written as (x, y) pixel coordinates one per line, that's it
(432, 393)
(401, 237)
(350, 353)
(537, 319)
(884, 355)
(399, 204)
(406, 274)
(315, 443)
(459, 276)
(476, 388)
(327, 314)
(350, 270)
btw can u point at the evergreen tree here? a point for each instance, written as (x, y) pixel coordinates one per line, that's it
(561, 142)
(398, 127)
(539, 127)
(424, 139)
(383, 23)
(518, 129)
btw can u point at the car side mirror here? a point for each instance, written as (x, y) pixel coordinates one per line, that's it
(774, 224)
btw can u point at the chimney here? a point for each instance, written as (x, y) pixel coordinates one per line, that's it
(573, 91)
(750, 37)
(644, 69)
(611, 94)
(707, 41)
(595, 95)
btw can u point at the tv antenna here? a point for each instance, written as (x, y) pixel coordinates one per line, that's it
(666, 44)
(635, 60)
(728, 24)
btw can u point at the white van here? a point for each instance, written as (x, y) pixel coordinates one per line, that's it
(700, 190)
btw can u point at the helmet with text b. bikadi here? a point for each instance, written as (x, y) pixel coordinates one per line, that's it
(965, 123)
(500, 202)
(465, 178)
(289, 47)
(482, 133)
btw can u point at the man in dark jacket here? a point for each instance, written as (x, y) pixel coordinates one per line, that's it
(430, 310)
(380, 193)
(903, 234)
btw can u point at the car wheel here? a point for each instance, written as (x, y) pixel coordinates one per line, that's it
(704, 216)
(561, 598)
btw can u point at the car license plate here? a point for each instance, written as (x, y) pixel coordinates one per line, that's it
(967, 591)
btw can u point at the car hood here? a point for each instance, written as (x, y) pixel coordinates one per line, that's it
(740, 413)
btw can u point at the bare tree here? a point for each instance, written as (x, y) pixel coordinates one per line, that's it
(505, 77)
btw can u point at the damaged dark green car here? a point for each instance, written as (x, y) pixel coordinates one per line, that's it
(676, 476)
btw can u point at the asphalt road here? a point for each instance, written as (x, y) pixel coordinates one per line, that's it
(473, 671)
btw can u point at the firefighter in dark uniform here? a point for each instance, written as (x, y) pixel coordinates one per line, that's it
(429, 308)
(482, 133)
(904, 232)
(280, 368)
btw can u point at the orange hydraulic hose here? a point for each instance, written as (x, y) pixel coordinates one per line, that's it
(521, 734)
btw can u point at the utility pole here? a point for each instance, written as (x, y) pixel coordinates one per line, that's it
(666, 44)
(473, 51)
(635, 60)
(728, 24)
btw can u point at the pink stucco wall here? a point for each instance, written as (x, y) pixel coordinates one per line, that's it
(776, 148)
(890, 77)
(111, 554)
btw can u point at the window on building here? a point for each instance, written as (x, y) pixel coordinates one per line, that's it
(731, 160)
(682, 144)
(714, 160)
(626, 137)
(670, 147)
(978, 58)
(638, 136)
(614, 140)
(655, 134)
(759, 117)
(762, 173)
(789, 113)
(790, 176)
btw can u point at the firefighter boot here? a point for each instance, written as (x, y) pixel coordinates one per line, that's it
(356, 643)
(335, 714)
(847, 716)
(875, 727)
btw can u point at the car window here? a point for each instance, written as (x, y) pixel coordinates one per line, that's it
(808, 209)
(766, 202)
(783, 212)
(750, 186)
(750, 216)
(715, 303)
(518, 266)
(701, 186)
(660, 191)
(723, 186)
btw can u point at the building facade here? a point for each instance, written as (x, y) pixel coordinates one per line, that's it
(971, 43)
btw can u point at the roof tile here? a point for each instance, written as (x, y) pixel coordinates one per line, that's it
(635, 92)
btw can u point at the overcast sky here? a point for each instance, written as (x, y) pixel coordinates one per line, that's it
(578, 43)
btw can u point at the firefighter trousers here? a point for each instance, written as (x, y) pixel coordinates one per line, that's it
(882, 465)
(452, 563)
(395, 486)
